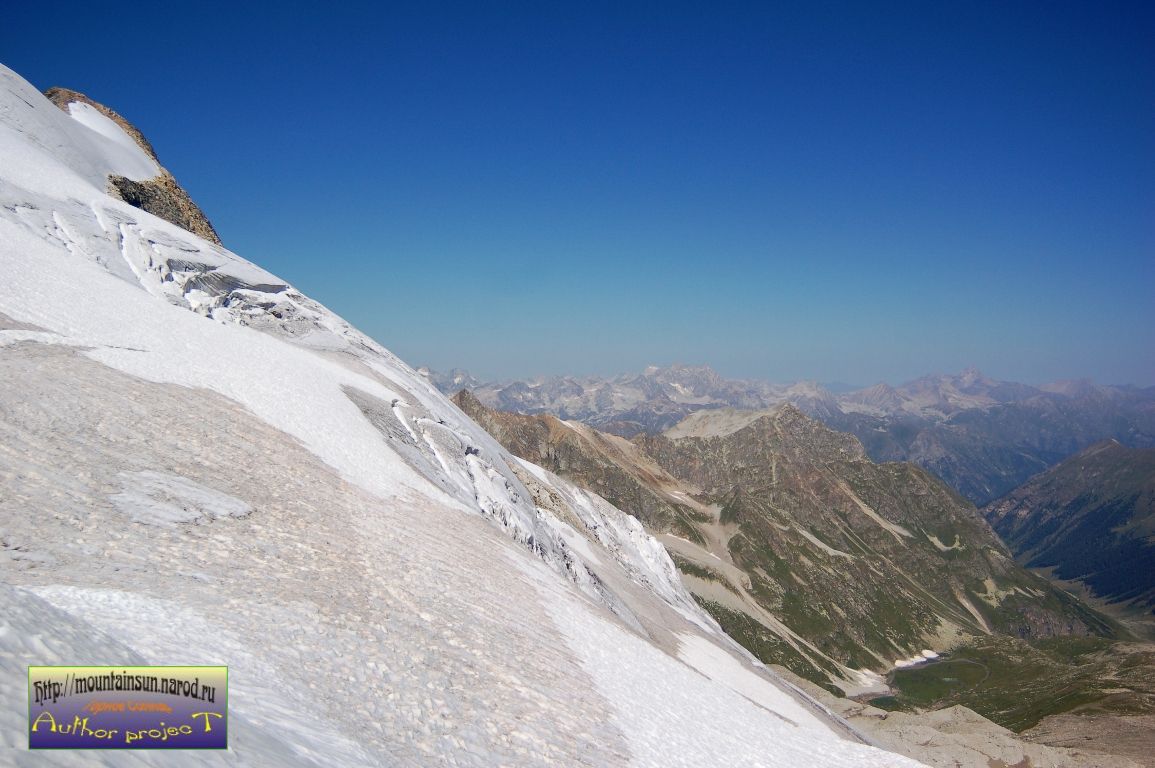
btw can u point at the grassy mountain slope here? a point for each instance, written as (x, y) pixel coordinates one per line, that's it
(805, 550)
(1090, 518)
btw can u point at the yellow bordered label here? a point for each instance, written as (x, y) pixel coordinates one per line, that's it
(128, 707)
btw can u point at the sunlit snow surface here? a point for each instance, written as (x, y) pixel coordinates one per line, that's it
(201, 465)
(131, 161)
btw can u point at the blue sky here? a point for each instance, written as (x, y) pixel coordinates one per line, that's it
(840, 192)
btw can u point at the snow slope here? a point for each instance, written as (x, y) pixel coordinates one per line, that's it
(183, 435)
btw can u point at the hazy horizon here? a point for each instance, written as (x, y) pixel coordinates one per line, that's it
(825, 192)
(833, 385)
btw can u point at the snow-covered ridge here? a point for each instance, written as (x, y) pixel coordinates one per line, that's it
(135, 164)
(86, 279)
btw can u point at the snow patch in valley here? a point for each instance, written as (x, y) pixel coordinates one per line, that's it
(943, 547)
(969, 606)
(894, 529)
(823, 545)
(921, 658)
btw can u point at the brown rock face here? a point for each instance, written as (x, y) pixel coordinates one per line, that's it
(605, 464)
(161, 196)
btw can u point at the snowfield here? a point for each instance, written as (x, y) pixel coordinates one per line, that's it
(201, 465)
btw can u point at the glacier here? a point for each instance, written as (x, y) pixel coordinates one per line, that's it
(200, 464)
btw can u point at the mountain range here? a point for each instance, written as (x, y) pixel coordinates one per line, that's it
(982, 436)
(778, 523)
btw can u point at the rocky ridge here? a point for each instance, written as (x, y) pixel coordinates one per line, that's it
(982, 436)
(819, 558)
(161, 196)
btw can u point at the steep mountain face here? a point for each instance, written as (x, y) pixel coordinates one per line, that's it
(906, 557)
(1091, 518)
(982, 436)
(160, 195)
(603, 463)
(802, 547)
(198, 464)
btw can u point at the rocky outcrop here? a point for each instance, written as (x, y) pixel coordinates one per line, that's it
(161, 196)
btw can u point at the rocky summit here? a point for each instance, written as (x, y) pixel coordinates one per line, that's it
(160, 195)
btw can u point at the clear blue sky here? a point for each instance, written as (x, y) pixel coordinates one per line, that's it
(842, 192)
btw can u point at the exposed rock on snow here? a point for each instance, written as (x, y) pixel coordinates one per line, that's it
(157, 192)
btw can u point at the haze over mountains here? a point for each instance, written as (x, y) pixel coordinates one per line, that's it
(982, 436)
